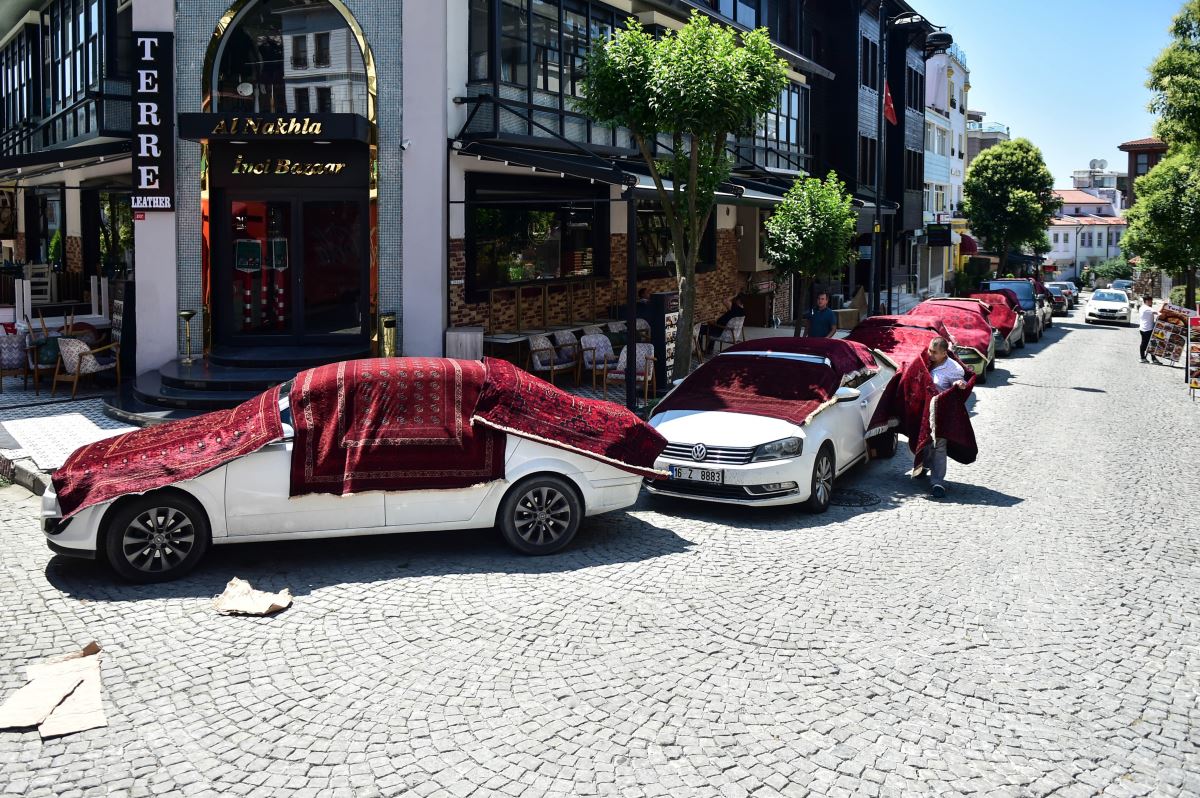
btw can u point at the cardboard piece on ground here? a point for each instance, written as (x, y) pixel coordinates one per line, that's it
(82, 709)
(34, 702)
(241, 599)
(62, 696)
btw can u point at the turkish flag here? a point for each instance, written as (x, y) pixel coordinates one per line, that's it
(889, 110)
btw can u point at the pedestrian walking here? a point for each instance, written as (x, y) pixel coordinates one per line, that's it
(1146, 327)
(821, 321)
(946, 372)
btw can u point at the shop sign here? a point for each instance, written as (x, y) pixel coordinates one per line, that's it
(288, 166)
(284, 126)
(153, 122)
(285, 166)
(937, 235)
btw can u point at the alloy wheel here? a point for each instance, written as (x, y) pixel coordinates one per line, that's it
(823, 479)
(158, 540)
(542, 515)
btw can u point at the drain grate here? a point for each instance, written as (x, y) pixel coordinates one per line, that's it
(849, 497)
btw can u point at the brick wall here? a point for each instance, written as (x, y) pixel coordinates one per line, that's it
(713, 290)
(74, 254)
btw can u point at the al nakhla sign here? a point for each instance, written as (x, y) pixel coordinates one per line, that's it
(154, 122)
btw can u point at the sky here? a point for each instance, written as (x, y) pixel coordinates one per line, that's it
(1069, 75)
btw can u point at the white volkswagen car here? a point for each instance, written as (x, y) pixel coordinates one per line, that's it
(153, 532)
(1107, 305)
(770, 422)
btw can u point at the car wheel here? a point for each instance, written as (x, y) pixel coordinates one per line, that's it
(540, 515)
(981, 377)
(157, 537)
(991, 366)
(1021, 343)
(821, 489)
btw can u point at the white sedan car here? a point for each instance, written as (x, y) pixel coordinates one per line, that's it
(770, 422)
(536, 497)
(1107, 305)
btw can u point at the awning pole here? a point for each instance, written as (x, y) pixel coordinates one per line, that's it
(631, 331)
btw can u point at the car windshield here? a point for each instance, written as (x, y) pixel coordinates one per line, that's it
(1110, 296)
(1022, 288)
(1122, 283)
(1055, 290)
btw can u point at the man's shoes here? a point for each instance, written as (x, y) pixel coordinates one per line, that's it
(922, 474)
(1144, 360)
(1155, 360)
(938, 491)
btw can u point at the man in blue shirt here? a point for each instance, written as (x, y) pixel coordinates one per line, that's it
(822, 321)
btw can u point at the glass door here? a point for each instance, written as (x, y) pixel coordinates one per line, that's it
(291, 271)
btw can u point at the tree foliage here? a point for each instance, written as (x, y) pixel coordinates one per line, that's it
(809, 233)
(1008, 196)
(1175, 80)
(1164, 223)
(1114, 269)
(695, 87)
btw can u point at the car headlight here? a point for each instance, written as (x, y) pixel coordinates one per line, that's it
(778, 450)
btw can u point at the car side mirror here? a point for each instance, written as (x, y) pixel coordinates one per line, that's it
(847, 394)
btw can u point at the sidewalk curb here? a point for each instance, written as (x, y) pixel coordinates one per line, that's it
(25, 473)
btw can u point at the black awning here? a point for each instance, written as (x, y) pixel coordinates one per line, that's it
(67, 156)
(274, 128)
(587, 167)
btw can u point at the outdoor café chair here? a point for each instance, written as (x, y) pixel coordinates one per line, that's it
(598, 354)
(643, 369)
(545, 359)
(76, 360)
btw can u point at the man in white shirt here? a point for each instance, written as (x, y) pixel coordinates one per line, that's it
(946, 373)
(1146, 326)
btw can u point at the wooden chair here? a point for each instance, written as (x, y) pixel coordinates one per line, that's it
(643, 370)
(76, 360)
(12, 357)
(544, 358)
(598, 354)
(37, 359)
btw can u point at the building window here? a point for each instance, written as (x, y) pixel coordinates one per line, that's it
(1143, 163)
(301, 96)
(914, 89)
(867, 152)
(1055, 238)
(517, 235)
(514, 35)
(478, 45)
(254, 73)
(655, 251)
(324, 100)
(870, 63)
(321, 50)
(299, 52)
(926, 198)
(914, 174)
(780, 139)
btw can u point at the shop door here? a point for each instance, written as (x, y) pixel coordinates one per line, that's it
(290, 271)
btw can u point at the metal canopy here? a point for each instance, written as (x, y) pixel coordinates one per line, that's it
(26, 165)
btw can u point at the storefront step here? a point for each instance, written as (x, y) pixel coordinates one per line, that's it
(125, 406)
(300, 357)
(149, 388)
(203, 375)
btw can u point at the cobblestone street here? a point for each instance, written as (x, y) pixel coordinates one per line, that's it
(1035, 633)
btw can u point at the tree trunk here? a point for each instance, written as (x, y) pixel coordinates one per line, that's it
(1189, 291)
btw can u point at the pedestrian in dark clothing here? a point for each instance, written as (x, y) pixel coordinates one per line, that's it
(821, 321)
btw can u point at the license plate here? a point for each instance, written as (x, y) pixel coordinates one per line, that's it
(709, 475)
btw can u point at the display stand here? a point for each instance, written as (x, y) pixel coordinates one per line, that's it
(1193, 358)
(247, 260)
(664, 329)
(1168, 339)
(277, 250)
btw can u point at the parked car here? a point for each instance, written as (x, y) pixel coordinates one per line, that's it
(1033, 311)
(1069, 291)
(770, 422)
(975, 343)
(908, 320)
(1005, 318)
(1047, 306)
(1058, 300)
(1108, 305)
(535, 491)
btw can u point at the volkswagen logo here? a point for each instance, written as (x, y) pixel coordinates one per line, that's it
(699, 452)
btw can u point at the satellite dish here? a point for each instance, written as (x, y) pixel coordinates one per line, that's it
(1094, 164)
(1103, 165)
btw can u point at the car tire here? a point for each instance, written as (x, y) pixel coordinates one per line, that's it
(821, 487)
(981, 377)
(157, 537)
(991, 366)
(540, 515)
(1020, 344)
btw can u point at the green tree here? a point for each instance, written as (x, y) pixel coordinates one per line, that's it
(1164, 223)
(808, 236)
(1008, 196)
(1114, 269)
(695, 87)
(1175, 80)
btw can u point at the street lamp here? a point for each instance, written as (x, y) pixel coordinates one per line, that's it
(936, 41)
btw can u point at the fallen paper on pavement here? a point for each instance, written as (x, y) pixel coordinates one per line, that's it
(62, 696)
(241, 599)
